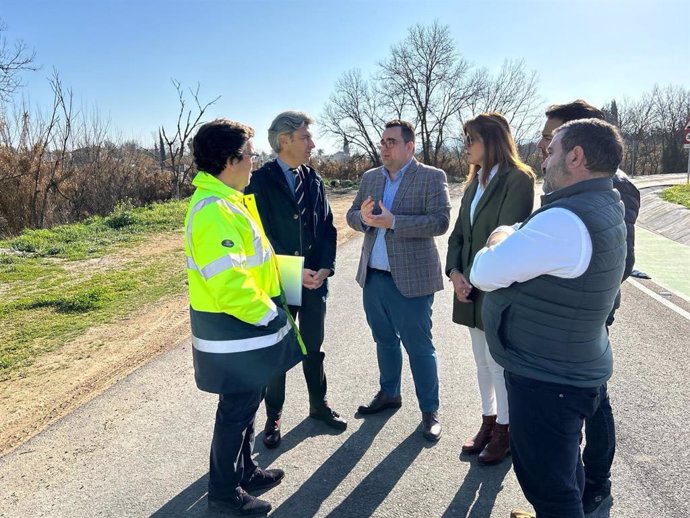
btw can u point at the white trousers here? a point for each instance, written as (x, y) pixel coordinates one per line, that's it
(492, 385)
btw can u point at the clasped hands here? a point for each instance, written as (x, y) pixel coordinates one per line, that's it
(461, 286)
(313, 280)
(383, 220)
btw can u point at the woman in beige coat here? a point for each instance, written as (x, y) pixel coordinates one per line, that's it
(499, 191)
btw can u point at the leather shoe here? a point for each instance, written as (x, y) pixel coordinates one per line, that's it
(329, 416)
(263, 479)
(431, 426)
(272, 436)
(380, 402)
(477, 443)
(243, 505)
(498, 447)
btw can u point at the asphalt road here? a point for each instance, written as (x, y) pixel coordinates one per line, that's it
(141, 448)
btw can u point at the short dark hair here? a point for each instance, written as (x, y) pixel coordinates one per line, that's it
(217, 142)
(574, 111)
(601, 142)
(406, 128)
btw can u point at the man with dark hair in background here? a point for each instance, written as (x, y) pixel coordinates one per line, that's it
(600, 432)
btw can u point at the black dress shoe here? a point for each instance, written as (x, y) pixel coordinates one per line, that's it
(431, 426)
(272, 436)
(380, 402)
(263, 479)
(242, 505)
(328, 416)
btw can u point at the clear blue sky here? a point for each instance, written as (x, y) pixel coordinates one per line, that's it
(264, 56)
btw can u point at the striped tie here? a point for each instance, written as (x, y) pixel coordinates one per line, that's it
(299, 191)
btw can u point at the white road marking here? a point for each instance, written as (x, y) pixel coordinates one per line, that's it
(661, 299)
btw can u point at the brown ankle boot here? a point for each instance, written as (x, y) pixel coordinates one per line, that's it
(498, 447)
(477, 443)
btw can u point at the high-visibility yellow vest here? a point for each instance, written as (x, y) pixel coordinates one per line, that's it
(240, 334)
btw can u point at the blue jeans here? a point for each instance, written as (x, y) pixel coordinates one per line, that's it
(545, 424)
(394, 318)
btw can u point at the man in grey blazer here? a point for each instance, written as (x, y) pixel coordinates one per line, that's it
(400, 207)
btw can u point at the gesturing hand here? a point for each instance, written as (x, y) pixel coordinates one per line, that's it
(383, 220)
(367, 208)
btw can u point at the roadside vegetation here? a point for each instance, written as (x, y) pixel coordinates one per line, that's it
(679, 194)
(56, 283)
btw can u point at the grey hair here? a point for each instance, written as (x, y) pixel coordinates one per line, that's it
(286, 123)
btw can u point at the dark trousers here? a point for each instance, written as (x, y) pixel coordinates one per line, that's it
(311, 316)
(600, 446)
(545, 429)
(232, 445)
(394, 318)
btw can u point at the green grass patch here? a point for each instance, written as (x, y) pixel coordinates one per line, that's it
(14, 269)
(46, 299)
(41, 322)
(96, 236)
(679, 194)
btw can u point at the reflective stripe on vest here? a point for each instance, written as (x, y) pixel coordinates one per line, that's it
(228, 261)
(225, 263)
(241, 345)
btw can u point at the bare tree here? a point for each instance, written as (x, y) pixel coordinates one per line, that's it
(35, 156)
(14, 59)
(636, 121)
(672, 108)
(59, 143)
(176, 142)
(513, 92)
(354, 112)
(426, 71)
(653, 129)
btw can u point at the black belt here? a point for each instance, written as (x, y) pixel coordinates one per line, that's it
(376, 270)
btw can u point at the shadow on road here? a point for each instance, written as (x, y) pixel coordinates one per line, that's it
(477, 494)
(306, 501)
(305, 429)
(376, 486)
(190, 502)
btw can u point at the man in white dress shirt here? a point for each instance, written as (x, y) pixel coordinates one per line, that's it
(550, 286)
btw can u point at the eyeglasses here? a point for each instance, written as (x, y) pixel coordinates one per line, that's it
(389, 142)
(252, 156)
(469, 140)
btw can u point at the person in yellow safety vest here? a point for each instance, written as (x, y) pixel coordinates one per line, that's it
(241, 335)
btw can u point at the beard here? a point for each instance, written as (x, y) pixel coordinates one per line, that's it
(546, 186)
(554, 176)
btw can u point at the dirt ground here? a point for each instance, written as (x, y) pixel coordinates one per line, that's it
(65, 379)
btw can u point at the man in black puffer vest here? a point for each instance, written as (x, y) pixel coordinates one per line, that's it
(551, 285)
